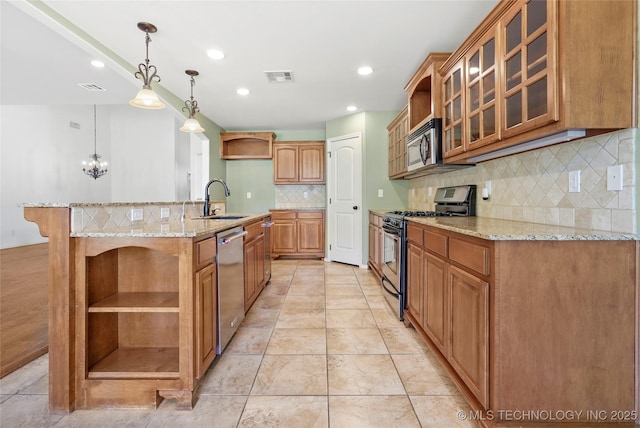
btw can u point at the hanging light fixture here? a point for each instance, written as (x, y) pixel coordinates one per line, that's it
(191, 106)
(146, 98)
(94, 168)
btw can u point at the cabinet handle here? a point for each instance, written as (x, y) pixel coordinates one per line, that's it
(267, 224)
(225, 241)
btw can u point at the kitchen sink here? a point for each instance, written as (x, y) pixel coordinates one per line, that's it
(219, 217)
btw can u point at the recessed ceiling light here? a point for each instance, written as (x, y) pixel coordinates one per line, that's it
(365, 71)
(242, 91)
(215, 54)
(97, 64)
(352, 108)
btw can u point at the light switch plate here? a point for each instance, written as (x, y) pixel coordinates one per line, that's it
(380, 193)
(248, 195)
(614, 177)
(137, 214)
(164, 212)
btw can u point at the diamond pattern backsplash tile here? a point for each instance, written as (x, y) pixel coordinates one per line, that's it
(534, 186)
(300, 196)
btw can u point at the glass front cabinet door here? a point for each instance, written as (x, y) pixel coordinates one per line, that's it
(452, 105)
(529, 64)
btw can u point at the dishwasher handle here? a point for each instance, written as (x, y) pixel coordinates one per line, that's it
(267, 224)
(229, 239)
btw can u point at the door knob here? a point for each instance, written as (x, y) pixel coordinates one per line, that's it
(355, 207)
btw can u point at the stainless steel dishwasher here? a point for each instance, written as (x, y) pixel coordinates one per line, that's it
(230, 284)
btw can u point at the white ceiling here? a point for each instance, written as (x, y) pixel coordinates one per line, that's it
(322, 42)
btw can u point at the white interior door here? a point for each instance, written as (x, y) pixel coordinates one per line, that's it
(344, 183)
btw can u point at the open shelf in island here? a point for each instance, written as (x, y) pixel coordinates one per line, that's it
(138, 302)
(138, 363)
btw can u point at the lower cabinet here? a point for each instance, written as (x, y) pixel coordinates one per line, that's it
(255, 269)
(375, 243)
(206, 319)
(297, 233)
(527, 324)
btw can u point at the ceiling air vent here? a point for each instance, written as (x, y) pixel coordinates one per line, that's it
(91, 87)
(281, 76)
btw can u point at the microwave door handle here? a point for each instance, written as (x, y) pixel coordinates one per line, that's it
(424, 150)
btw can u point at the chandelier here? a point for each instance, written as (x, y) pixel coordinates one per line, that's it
(146, 98)
(191, 106)
(94, 168)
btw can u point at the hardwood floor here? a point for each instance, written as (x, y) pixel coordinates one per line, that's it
(23, 305)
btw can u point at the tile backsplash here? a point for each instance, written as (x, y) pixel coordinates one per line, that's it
(300, 196)
(534, 186)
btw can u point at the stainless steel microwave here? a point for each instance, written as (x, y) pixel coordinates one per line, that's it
(423, 146)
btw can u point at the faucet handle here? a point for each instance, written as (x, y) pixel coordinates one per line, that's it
(215, 210)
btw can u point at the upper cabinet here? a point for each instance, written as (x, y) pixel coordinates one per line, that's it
(299, 162)
(538, 68)
(423, 91)
(397, 131)
(246, 145)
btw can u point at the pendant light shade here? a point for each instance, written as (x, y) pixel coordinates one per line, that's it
(146, 98)
(191, 107)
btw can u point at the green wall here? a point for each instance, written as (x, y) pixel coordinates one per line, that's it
(256, 176)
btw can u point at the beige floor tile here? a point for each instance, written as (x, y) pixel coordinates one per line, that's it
(400, 340)
(307, 412)
(421, 377)
(343, 290)
(340, 279)
(301, 318)
(308, 280)
(209, 411)
(347, 302)
(291, 375)
(27, 411)
(377, 301)
(386, 318)
(355, 341)
(298, 341)
(309, 270)
(280, 278)
(260, 318)
(306, 289)
(41, 387)
(231, 375)
(441, 411)
(350, 318)
(363, 375)
(25, 376)
(276, 289)
(249, 340)
(372, 290)
(269, 302)
(368, 279)
(372, 412)
(301, 301)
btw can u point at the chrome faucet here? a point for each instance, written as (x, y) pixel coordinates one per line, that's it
(206, 194)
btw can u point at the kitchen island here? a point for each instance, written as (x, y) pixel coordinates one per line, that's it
(132, 303)
(534, 323)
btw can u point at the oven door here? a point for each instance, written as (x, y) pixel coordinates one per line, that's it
(391, 269)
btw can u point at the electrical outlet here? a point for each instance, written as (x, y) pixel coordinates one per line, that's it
(248, 195)
(380, 193)
(574, 181)
(614, 177)
(487, 185)
(164, 212)
(137, 214)
(305, 195)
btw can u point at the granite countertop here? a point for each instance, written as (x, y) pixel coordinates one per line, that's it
(509, 230)
(190, 228)
(300, 209)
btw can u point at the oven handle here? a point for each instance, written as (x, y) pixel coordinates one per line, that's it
(390, 230)
(395, 292)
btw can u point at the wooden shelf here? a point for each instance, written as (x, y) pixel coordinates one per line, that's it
(138, 302)
(246, 145)
(137, 363)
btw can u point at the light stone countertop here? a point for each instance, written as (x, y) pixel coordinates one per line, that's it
(508, 230)
(190, 228)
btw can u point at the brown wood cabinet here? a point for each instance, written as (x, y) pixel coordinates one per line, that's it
(297, 233)
(246, 145)
(424, 91)
(299, 162)
(254, 262)
(536, 68)
(206, 319)
(397, 132)
(375, 243)
(516, 322)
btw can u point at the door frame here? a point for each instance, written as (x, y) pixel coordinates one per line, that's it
(329, 220)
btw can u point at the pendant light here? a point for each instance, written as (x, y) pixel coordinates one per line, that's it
(94, 168)
(146, 98)
(191, 106)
